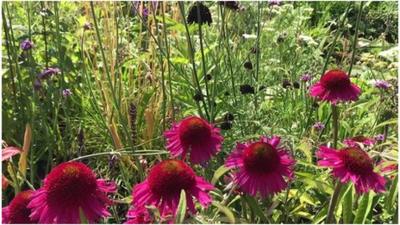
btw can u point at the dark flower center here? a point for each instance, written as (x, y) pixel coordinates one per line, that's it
(359, 138)
(335, 79)
(261, 158)
(357, 160)
(194, 131)
(19, 212)
(169, 177)
(70, 184)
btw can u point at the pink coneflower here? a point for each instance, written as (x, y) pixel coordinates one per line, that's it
(352, 164)
(357, 140)
(196, 136)
(262, 166)
(138, 215)
(17, 211)
(163, 186)
(335, 86)
(69, 187)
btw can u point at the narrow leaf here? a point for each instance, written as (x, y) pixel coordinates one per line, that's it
(83, 217)
(225, 210)
(219, 173)
(363, 208)
(348, 206)
(256, 209)
(22, 164)
(181, 211)
(391, 196)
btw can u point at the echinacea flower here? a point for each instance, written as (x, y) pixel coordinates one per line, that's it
(262, 166)
(48, 72)
(335, 86)
(17, 211)
(357, 140)
(196, 136)
(352, 164)
(138, 215)
(164, 184)
(200, 14)
(69, 189)
(26, 45)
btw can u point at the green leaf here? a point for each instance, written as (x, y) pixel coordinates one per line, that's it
(391, 196)
(321, 215)
(83, 217)
(228, 213)
(181, 211)
(218, 174)
(256, 208)
(347, 205)
(363, 208)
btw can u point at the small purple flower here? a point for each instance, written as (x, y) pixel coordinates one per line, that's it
(382, 84)
(26, 45)
(145, 12)
(67, 92)
(305, 77)
(37, 85)
(87, 26)
(379, 137)
(274, 2)
(319, 126)
(47, 73)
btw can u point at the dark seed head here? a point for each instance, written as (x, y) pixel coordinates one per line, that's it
(226, 125)
(248, 65)
(246, 89)
(226, 93)
(229, 117)
(198, 96)
(315, 105)
(208, 77)
(233, 5)
(286, 84)
(199, 14)
(296, 85)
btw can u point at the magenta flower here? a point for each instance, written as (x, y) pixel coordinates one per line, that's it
(196, 136)
(335, 86)
(262, 166)
(26, 45)
(352, 164)
(69, 187)
(163, 186)
(17, 211)
(138, 215)
(357, 140)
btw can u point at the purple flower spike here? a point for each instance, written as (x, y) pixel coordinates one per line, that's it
(305, 77)
(319, 126)
(47, 73)
(26, 45)
(382, 84)
(67, 92)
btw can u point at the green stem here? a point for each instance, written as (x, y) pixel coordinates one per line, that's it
(355, 39)
(335, 197)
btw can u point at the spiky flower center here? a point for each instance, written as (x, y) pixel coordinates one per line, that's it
(19, 212)
(261, 157)
(169, 177)
(335, 79)
(359, 138)
(70, 184)
(194, 131)
(357, 160)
